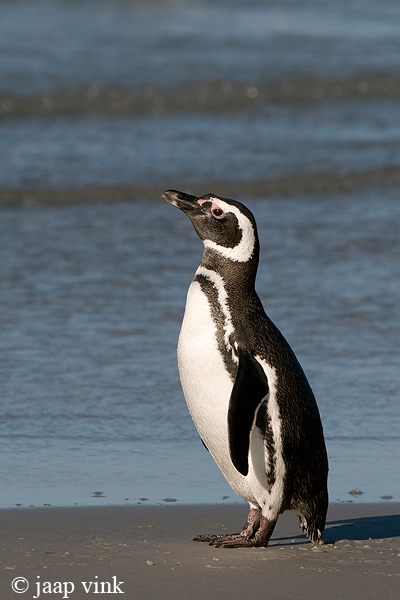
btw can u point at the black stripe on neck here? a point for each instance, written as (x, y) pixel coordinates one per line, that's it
(211, 292)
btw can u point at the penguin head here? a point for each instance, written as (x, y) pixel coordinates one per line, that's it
(225, 226)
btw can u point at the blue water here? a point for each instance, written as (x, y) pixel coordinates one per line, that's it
(92, 293)
(91, 304)
(50, 44)
(276, 140)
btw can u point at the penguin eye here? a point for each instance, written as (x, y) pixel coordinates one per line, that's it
(217, 212)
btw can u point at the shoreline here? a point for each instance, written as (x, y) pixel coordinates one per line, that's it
(181, 504)
(150, 550)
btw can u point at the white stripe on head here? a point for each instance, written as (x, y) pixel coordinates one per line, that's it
(244, 250)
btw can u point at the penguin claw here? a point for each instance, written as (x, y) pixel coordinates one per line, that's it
(231, 540)
(238, 542)
(228, 540)
(213, 539)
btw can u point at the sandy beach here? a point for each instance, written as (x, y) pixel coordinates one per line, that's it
(147, 552)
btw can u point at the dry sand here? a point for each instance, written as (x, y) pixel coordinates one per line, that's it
(150, 550)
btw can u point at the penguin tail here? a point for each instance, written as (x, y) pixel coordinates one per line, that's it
(312, 517)
(314, 534)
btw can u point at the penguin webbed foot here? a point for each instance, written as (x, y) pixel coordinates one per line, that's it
(255, 534)
(215, 539)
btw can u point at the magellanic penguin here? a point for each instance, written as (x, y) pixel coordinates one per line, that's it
(246, 392)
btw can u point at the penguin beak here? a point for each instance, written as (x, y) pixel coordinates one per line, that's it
(187, 203)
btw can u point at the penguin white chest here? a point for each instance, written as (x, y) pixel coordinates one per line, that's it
(203, 350)
(206, 383)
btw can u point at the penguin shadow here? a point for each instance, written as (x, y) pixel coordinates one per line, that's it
(363, 528)
(356, 529)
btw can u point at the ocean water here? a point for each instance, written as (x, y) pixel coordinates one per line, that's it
(291, 107)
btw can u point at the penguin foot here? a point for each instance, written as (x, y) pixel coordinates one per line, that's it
(213, 539)
(255, 534)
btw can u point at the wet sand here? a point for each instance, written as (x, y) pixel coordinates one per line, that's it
(150, 550)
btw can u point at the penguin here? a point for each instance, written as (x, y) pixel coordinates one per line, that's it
(247, 394)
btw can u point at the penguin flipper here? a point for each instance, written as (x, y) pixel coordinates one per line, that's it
(249, 390)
